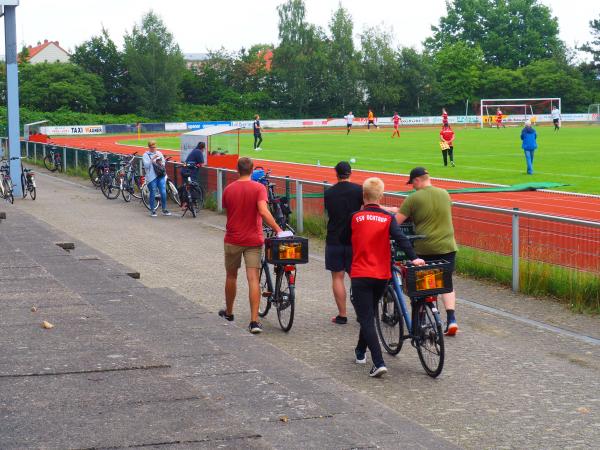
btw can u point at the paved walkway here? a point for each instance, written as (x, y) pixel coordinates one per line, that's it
(523, 374)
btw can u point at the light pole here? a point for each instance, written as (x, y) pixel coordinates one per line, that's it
(8, 11)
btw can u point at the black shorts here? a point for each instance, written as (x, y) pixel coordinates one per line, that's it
(555, 121)
(450, 257)
(371, 122)
(338, 257)
(348, 125)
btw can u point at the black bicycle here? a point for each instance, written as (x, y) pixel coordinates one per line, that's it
(96, 169)
(28, 182)
(6, 184)
(278, 288)
(190, 192)
(110, 183)
(131, 182)
(53, 160)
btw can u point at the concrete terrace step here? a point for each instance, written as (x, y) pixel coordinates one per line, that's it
(131, 365)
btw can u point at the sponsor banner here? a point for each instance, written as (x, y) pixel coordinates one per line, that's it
(72, 129)
(201, 125)
(179, 126)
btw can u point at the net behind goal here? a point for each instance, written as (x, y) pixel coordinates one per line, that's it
(515, 111)
(594, 113)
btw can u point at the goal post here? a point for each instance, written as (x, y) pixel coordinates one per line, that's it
(516, 110)
(594, 113)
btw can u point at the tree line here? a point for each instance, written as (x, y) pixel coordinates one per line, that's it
(480, 48)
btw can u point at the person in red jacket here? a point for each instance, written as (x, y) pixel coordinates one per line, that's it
(369, 231)
(447, 144)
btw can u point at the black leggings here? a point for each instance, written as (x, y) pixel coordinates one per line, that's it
(445, 154)
(257, 140)
(366, 292)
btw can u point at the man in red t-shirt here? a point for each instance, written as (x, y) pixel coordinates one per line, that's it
(447, 145)
(396, 120)
(246, 204)
(370, 230)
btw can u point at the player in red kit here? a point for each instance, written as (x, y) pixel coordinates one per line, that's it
(396, 120)
(499, 119)
(444, 118)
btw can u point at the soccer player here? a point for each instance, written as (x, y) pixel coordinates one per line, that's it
(444, 117)
(371, 120)
(556, 118)
(499, 119)
(349, 118)
(396, 119)
(257, 132)
(447, 138)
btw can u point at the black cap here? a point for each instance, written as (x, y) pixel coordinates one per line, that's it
(343, 169)
(417, 172)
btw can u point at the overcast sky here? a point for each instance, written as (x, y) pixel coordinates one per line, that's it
(199, 26)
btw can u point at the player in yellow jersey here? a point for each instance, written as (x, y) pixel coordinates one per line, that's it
(371, 120)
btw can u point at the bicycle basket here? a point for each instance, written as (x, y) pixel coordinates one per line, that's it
(292, 250)
(431, 279)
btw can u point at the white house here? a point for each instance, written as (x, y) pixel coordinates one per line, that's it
(48, 51)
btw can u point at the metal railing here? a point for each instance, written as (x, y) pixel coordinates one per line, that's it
(509, 237)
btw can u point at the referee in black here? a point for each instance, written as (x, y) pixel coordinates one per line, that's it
(257, 132)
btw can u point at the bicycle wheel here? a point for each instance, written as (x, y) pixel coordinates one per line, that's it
(24, 186)
(32, 192)
(265, 293)
(286, 300)
(49, 163)
(389, 322)
(190, 203)
(146, 198)
(172, 192)
(109, 186)
(126, 187)
(429, 338)
(58, 164)
(136, 187)
(94, 175)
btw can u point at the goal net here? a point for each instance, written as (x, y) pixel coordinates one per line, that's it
(594, 113)
(515, 111)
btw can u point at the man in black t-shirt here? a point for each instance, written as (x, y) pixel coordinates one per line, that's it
(256, 128)
(341, 200)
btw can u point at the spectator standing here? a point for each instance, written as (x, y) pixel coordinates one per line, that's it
(246, 204)
(529, 144)
(349, 119)
(341, 200)
(447, 140)
(196, 156)
(370, 230)
(257, 129)
(430, 209)
(556, 118)
(154, 162)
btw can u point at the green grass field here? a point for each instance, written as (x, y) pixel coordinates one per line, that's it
(488, 155)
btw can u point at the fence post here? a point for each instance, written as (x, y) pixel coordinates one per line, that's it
(515, 251)
(299, 209)
(76, 159)
(34, 152)
(141, 162)
(219, 190)
(288, 191)
(43, 151)
(64, 159)
(90, 158)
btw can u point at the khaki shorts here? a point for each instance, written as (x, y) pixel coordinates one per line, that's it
(233, 256)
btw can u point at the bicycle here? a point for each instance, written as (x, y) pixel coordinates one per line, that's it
(190, 192)
(424, 322)
(171, 193)
(96, 169)
(53, 160)
(6, 184)
(28, 182)
(284, 254)
(131, 183)
(110, 181)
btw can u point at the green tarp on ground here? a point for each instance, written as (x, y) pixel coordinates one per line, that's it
(514, 188)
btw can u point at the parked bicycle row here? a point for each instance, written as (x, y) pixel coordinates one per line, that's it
(28, 186)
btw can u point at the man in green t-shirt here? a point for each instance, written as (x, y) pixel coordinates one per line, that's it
(429, 208)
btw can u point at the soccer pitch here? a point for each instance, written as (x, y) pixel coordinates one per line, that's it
(484, 155)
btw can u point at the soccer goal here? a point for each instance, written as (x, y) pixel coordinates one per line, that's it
(515, 111)
(594, 113)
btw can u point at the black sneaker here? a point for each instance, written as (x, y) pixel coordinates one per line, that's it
(255, 328)
(377, 372)
(340, 320)
(223, 313)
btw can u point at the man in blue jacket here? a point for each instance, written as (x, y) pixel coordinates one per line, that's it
(529, 139)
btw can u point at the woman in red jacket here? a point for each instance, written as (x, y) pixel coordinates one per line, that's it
(447, 144)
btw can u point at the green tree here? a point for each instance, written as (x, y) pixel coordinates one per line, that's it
(593, 47)
(381, 78)
(419, 82)
(155, 65)
(52, 86)
(459, 69)
(498, 82)
(343, 71)
(299, 63)
(100, 56)
(511, 33)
